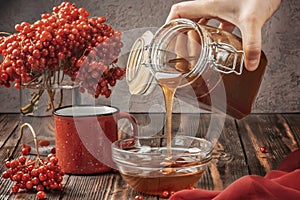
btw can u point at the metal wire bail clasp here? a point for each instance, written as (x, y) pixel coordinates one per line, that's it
(221, 53)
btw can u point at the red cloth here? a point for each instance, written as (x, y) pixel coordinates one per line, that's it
(283, 183)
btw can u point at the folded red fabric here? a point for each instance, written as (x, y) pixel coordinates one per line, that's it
(283, 183)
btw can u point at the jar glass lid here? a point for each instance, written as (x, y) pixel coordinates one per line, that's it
(138, 75)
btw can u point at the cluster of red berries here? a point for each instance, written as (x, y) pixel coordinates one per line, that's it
(46, 175)
(60, 42)
(89, 75)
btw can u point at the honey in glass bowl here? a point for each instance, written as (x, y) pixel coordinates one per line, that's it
(147, 166)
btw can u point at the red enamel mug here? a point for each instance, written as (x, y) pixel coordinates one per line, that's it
(84, 135)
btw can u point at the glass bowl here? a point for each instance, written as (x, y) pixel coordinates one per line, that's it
(151, 166)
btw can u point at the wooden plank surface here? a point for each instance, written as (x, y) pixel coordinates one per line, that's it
(236, 151)
(271, 132)
(8, 123)
(293, 123)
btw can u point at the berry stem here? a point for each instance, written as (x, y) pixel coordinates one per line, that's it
(19, 140)
(5, 33)
(50, 83)
(34, 139)
(30, 107)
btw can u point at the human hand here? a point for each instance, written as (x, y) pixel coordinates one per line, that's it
(248, 15)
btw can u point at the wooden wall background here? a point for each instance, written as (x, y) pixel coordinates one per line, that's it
(279, 91)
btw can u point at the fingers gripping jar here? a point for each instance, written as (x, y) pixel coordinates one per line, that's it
(209, 60)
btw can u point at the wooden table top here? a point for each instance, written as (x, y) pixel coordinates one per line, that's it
(237, 153)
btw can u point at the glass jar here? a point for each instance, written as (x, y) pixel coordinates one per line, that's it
(209, 60)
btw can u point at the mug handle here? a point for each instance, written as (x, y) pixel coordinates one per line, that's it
(125, 115)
